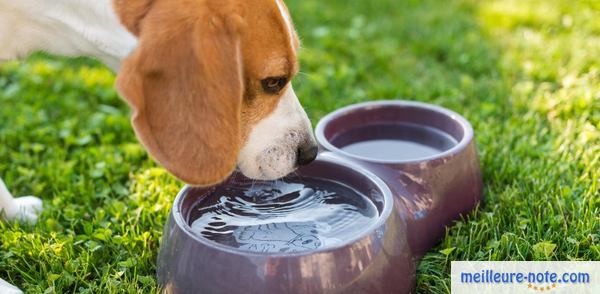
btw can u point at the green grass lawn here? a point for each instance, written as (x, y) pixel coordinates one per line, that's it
(525, 73)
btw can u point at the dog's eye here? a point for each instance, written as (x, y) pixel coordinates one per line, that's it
(274, 85)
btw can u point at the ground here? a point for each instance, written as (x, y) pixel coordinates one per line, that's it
(525, 73)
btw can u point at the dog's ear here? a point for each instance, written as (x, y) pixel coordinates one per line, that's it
(131, 13)
(184, 84)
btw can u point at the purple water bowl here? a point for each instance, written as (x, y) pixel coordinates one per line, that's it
(377, 261)
(418, 192)
(433, 188)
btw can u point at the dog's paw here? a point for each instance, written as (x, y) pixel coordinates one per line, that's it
(28, 209)
(6, 288)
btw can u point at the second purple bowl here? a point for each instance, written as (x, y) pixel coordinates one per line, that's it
(426, 155)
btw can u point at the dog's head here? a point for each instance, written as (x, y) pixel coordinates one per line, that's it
(210, 87)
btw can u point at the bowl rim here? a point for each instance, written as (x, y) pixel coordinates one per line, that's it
(327, 157)
(466, 139)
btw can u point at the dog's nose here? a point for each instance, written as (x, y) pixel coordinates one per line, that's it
(307, 153)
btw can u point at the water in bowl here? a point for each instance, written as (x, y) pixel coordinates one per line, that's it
(401, 141)
(285, 216)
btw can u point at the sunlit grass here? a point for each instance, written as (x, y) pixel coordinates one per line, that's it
(525, 73)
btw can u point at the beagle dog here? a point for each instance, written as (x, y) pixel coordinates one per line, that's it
(208, 81)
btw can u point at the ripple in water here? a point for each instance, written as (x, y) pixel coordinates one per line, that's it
(290, 215)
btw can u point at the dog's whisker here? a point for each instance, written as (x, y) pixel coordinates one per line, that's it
(301, 73)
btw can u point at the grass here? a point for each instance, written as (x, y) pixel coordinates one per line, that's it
(525, 73)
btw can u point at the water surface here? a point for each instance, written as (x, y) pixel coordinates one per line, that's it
(292, 215)
(397, 142)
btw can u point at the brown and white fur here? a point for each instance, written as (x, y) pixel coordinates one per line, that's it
(208, 80)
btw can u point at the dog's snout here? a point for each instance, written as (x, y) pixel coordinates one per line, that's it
(307, 153)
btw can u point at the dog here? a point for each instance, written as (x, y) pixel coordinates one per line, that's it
(208, 81)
